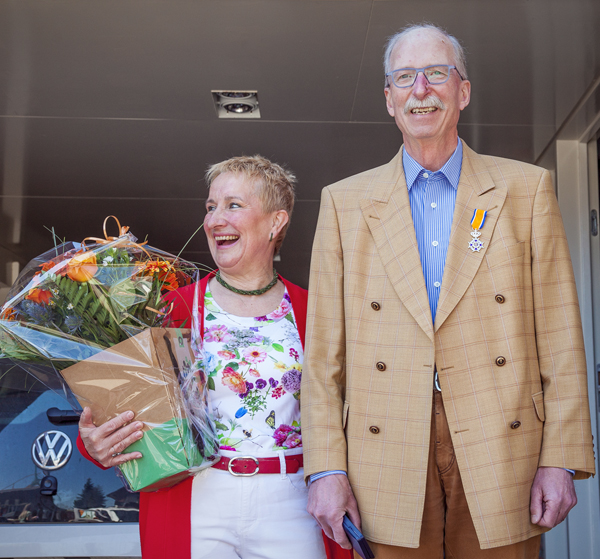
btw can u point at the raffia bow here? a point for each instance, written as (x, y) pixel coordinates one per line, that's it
(123, 230)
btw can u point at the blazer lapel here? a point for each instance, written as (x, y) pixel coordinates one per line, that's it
(388, 215)
(476, 190)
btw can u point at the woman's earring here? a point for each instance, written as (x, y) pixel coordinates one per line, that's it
(271, 238)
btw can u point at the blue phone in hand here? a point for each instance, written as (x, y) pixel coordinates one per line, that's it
(358, 541)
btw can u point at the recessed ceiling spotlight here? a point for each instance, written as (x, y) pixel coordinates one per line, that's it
(236, 104)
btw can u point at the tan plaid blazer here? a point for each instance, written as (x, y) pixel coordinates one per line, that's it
(365, 252)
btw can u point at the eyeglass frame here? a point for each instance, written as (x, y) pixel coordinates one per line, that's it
(422, 70)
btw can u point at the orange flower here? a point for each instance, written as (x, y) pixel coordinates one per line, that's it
(170, 282)
(8, 314)
(38, 295)
(82, 267)
(46, 266)
(164, 271)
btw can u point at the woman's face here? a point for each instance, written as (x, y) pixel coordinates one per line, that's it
(237, 228)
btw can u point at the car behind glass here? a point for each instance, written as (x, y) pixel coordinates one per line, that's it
(53, 502)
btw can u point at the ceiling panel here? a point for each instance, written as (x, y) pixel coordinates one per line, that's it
(160, 59)
(167, 159)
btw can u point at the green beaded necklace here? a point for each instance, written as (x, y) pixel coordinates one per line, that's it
(242, 291)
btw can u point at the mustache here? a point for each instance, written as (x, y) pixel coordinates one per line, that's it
(429, 101)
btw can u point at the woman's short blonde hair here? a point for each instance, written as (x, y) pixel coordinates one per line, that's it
(274, 184)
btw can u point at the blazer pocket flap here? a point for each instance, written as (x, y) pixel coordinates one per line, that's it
(499, 254)
(538, 403)
(345, 414)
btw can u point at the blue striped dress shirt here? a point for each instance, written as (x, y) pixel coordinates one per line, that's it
(432, 198)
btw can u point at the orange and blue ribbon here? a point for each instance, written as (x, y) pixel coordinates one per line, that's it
(478, 219)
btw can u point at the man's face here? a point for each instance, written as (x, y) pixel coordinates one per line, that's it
(419, 49)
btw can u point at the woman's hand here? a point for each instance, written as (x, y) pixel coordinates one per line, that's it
(105, 443)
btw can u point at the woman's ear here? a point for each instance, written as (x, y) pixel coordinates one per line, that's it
(280, 218)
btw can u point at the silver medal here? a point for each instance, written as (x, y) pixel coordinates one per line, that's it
(475, 245)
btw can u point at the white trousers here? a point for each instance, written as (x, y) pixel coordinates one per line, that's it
(258, 517)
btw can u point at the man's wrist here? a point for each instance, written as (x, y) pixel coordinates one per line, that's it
(319, 475)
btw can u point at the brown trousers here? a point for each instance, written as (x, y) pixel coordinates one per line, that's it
(447, 529)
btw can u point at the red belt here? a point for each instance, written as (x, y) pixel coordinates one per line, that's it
(249, 465)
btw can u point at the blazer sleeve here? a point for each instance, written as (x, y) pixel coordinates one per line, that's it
(567, 438)
(324, 377)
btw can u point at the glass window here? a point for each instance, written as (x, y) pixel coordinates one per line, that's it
(76, 491)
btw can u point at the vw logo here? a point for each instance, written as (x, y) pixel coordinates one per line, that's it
(51, 450)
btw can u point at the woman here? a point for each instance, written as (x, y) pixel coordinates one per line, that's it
(253, 325)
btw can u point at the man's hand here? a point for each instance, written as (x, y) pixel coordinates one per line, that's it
(329, 499)
(105, 443)
(552, 496)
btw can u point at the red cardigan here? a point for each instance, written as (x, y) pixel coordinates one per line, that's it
(165, 529)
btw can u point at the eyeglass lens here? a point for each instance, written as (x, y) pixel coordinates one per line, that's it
(405, 77)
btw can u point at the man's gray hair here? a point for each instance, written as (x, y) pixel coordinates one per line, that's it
(460, 60)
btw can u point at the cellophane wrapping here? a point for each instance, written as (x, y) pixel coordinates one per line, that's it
(93, 322)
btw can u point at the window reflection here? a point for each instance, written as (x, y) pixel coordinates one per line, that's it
(83, 492)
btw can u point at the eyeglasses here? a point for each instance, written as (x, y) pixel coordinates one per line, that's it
(435, 75)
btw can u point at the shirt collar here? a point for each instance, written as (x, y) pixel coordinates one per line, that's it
(451, 169)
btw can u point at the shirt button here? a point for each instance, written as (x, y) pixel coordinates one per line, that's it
(437, 284)
(375, 306)
(515, 425)
(374, 429)
(433, 205)
(381, 366)
(435, 243)
(426, 175)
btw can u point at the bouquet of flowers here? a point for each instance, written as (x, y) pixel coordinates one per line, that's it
(93, 321)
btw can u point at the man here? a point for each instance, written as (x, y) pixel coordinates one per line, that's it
(444, 393)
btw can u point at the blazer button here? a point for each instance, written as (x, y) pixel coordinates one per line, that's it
(500, 298)
(374, 429)
(375, 306)
(501, 361)
(515, 425)
(381, 366)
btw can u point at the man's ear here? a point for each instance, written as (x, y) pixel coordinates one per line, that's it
(465, 93)
(387, 91)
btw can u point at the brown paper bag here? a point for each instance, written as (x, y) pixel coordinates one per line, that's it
(141, 374)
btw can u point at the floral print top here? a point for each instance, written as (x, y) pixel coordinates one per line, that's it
(254, 367)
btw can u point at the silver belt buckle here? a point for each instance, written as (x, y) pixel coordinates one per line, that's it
(230, 466)
(436, 382)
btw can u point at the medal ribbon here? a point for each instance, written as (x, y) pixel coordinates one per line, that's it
(478, 219)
